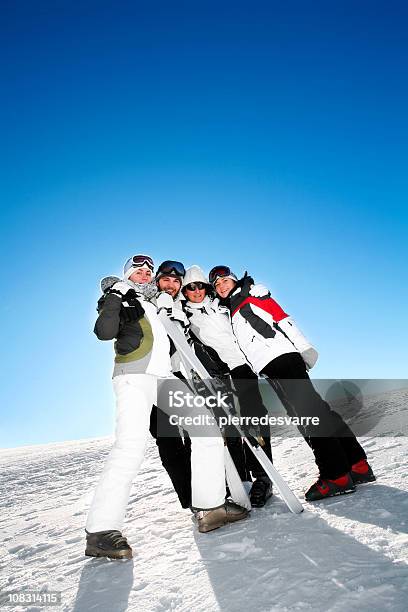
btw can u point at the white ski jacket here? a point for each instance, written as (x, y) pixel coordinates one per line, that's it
(264, 331)
(211, 323)
(159, 364)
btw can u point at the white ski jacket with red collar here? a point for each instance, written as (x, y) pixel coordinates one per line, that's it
(264, 331)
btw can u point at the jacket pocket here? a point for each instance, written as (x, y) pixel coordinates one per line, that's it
(129, 338)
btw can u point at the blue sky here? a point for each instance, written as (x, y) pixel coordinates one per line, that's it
(270, 137)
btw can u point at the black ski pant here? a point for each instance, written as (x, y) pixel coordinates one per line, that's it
(251, 405)
(334, 445)
(174, 453)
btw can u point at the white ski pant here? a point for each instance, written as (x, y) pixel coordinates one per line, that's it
(135, 396)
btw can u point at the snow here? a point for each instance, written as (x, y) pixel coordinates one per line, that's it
(348, 553)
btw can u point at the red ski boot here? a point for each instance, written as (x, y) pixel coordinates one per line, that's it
(361, 472)
(329, 488)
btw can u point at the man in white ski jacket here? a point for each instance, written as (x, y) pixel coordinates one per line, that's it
(169, 279)
(277, 349)
(216, 346)
(142, 361)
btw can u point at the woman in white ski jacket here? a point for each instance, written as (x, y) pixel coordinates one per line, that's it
(209, 321)
(277, 349)
(218, 349)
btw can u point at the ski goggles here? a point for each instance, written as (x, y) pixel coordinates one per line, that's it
(171, 268)
(219, 272)
(139, 260)
(194, 286)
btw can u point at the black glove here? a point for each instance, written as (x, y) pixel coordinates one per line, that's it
(131, 309)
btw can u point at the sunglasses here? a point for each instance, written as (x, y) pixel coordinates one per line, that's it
(171, 267)
(194, 286)
(218, 272)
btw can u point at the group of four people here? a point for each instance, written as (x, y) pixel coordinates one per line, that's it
(239, 333)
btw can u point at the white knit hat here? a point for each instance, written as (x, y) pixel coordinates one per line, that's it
(194, 274)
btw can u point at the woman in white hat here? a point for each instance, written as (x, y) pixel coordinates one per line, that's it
(217, 348)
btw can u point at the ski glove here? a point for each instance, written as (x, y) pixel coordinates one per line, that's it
(302, 344)
(259, 290)
(131, 309)
(121, 289)
(164, 300)
(309, 357)
(107, 283)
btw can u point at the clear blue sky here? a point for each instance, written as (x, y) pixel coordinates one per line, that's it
(269, 136)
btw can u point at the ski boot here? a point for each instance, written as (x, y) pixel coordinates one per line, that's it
(261, 491)
(110, 544)
(208, 520)
(325, 487)
(361, 472)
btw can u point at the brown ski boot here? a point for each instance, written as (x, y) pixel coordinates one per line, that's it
(230, 512)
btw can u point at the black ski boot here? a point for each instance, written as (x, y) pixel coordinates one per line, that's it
(325, 487)
(110, 544)
(261, 491)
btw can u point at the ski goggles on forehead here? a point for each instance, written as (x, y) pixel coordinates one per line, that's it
(141, 260)
(171, 267)
(137, 261)
(218, 272)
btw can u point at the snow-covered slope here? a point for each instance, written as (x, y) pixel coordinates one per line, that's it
(348, 553)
